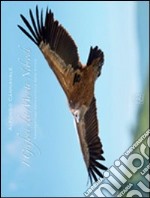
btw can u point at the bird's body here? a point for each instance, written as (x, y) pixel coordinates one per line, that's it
(77, 81)
(78, 92)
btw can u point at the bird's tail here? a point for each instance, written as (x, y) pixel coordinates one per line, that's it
(96, 53)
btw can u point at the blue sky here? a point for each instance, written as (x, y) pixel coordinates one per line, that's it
(43, 158)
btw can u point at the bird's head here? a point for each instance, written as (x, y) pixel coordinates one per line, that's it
(77, 114)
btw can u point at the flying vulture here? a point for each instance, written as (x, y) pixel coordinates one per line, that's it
(76, 79)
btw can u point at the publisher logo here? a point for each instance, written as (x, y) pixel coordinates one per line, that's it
(129, 175)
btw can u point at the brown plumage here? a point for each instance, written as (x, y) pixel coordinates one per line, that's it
(77, 81)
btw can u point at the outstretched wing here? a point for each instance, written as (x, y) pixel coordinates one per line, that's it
(91, 145)
(56, 44)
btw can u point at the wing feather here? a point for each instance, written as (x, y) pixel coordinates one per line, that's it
(56, 45)
(90, 142)
(52, 33)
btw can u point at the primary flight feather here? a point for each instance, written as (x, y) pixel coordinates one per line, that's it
(77, 81)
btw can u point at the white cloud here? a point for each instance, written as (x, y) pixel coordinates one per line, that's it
(18, 111)
(14, 147)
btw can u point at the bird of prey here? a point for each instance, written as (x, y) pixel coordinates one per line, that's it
(77, 81)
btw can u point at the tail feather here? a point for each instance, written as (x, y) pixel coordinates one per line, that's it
(94, 54)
